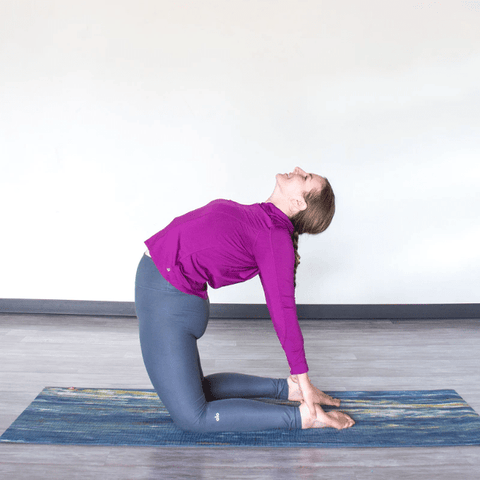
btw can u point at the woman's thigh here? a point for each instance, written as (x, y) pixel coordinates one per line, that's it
(170, 322)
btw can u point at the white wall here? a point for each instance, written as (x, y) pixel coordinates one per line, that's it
(116, 116)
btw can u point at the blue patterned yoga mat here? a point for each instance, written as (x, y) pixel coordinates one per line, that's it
(87, 416)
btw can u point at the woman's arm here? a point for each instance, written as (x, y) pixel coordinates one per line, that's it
(275, 258)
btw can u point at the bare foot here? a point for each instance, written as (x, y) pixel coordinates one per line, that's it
(295, 394)
(307, 420)
(334, 419)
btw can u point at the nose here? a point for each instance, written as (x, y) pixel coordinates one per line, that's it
(298, 171)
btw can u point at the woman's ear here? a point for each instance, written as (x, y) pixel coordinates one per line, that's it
(297, 205)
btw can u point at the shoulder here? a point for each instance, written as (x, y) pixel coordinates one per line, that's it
(276, 239)
(281, 237)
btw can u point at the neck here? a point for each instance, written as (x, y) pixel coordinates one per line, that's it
(280, 203)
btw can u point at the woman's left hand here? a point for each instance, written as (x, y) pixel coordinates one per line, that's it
(311, 394)
(308, 393)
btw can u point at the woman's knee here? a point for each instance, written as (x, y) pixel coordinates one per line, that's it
(189, 422)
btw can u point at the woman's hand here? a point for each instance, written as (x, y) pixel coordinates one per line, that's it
(334, 419)
(317, 395)
(322, 419)
(308, 392)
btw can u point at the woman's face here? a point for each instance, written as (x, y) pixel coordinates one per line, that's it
(295, 184)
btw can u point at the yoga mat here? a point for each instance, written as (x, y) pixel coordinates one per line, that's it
(87, 416)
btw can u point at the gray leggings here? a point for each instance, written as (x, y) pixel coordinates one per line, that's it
(170, 323)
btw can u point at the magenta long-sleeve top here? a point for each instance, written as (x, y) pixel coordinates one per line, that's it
(224, 243)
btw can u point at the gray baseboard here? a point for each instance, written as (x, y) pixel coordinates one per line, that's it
(253, 311)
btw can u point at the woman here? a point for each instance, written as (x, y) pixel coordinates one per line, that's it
(221, 244)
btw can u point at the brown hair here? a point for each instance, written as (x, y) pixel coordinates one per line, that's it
(315, 218)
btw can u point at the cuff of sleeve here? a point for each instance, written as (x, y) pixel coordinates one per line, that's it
(299, 369)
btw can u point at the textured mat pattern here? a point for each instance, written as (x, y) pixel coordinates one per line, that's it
(85, 416)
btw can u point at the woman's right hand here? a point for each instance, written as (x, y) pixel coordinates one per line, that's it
(335, 419)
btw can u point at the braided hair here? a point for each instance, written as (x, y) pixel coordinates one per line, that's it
(314, 219)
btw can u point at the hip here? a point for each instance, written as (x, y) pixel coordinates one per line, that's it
(159, 302)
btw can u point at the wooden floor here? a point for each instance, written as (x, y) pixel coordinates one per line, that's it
(53, 350)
